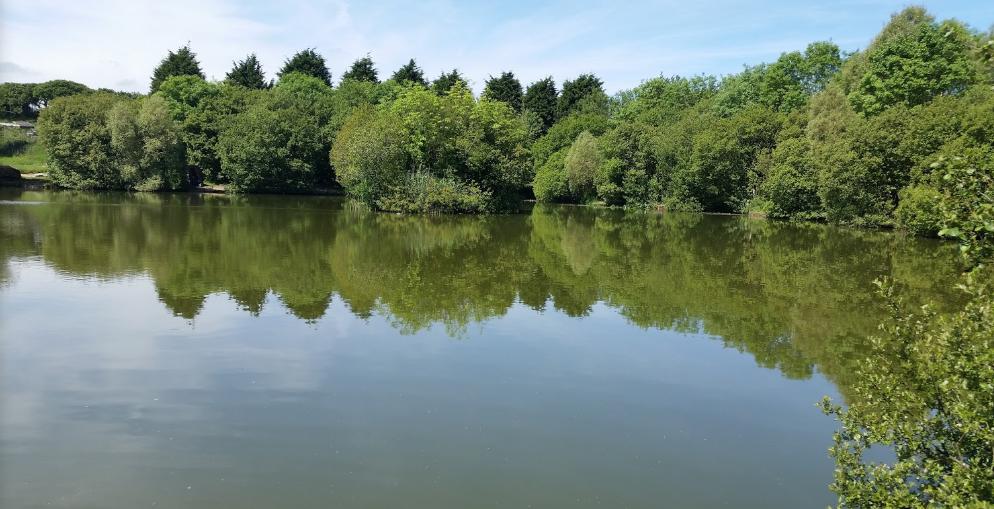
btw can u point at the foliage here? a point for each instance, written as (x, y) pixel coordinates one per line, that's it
(182, 62)
(422, 192)
(445, 81)
(275, 145)
(45, 92)
(661, 100)
(147, 145)
(541, 98)
(17, 100)
(504, 88)
(410, 72)
(581, 164)
(25, 100)
(247, 73)
(362, 69)
(75, 133)
(575, 91)
(919, 211)
(103, 141)
(565, 132)
(202, 110)
(550, 179)
(914, 60)
(630, 172)
(368, 154)
(927, 389)
(792, 184)
(307, 62)
(460, 151)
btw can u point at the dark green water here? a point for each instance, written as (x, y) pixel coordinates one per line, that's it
(214, 352)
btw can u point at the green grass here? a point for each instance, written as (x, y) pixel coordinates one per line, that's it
(22, 152)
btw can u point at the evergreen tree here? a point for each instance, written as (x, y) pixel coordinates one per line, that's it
(307, 62)
(410, 72)
(247, 73)
(505, 88)
(574, 91)
(362, 70)
(183, 62)
(541, 98)
(446, 81)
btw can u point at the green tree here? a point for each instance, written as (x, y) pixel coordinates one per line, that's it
(247, 73)
(541, 98)
(662, 100)
(574, 91)
(202, 110)
(307, 62)
(581, 164)
(504, 88)
(792, 183)
(362, 69)
(913, 60)
(182, 62)
(926, 391)
(368, 154)
(275, 145)
(446, 81)
(630, 174)
(45, 92)
(565, 132)
(78, 141)
(147, 145)
(410, 72)
(17, 100)
(551, 184)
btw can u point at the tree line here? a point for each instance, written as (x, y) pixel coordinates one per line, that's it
(817, 134)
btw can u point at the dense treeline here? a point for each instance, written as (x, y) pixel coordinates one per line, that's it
(814, 135)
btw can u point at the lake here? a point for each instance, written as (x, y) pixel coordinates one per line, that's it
(208, 351)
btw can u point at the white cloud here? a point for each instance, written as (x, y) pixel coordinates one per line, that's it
(117, 43)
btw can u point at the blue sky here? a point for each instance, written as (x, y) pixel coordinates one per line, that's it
(116, 43)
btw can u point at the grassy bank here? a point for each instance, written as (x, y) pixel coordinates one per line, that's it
(22, 152)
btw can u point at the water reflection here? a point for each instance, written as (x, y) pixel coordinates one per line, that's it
(792, 296)
(601, 358)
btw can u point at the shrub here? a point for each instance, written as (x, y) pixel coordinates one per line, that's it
(918, 210)
(368, 154)
(422, 192)
(564, 133)
(75, 132)
(791, 187)
(273, 146)
(550, 183)
(582, 163)
(147, 148)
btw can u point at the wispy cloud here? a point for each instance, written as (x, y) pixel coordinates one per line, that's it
(117, 43)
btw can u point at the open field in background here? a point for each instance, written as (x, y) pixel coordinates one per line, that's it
(22, 152)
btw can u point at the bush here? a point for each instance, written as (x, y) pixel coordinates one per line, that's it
(422, 192)
(147, 148)
(550, 183)
(791, 187)
(918, 210)
(582, 164)
(609, 174)
(274, 146)
(74, 130)
(368, 154)
(565, 132)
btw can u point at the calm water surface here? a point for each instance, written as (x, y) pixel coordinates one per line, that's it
(214, 352)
